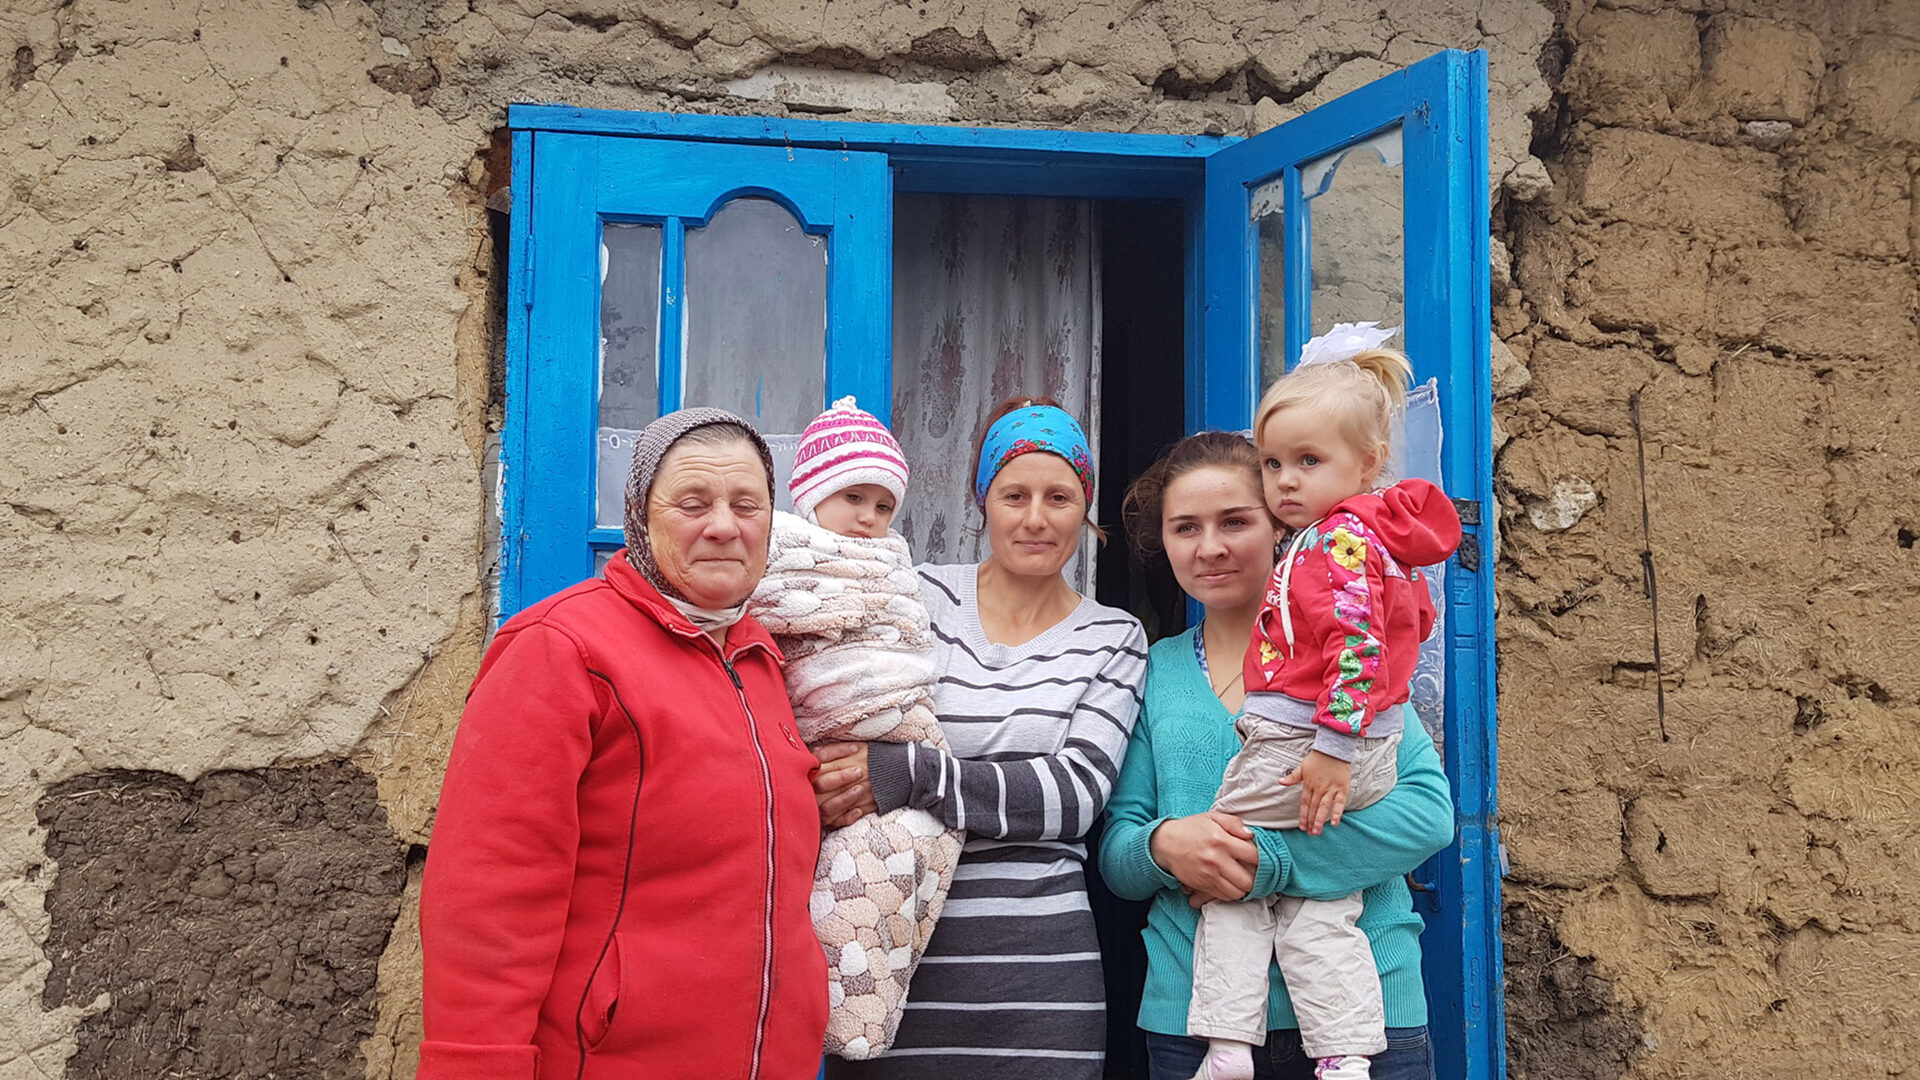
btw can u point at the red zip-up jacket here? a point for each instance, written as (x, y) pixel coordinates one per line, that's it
(1358, 607)
(618, 877)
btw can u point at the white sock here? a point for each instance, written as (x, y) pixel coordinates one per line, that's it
(1343, 1067)
(1227, 1059)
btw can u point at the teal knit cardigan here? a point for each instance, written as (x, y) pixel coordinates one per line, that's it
(1179, 751)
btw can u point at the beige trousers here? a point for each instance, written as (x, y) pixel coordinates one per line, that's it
(1324, 956)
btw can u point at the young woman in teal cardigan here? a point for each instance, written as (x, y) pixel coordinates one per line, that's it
(1201, 505)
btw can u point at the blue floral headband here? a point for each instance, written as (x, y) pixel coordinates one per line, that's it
(1025, 430)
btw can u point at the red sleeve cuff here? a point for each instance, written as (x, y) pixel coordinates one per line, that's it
(476, 1061)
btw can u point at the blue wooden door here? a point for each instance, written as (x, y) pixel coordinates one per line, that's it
(659, 273)
(1374, 206)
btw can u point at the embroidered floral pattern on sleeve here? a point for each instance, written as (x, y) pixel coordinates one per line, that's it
(1348, 551)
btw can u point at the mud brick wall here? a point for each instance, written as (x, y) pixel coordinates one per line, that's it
(1726, 887)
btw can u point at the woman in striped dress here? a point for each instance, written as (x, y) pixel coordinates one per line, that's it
(1037, 695)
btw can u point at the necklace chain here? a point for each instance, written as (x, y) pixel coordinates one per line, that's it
(1219, 689)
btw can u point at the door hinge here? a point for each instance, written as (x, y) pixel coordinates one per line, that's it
(1469, 552)
(1469, 549)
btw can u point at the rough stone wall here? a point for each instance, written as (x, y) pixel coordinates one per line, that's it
(1722, 279)
(246, 299)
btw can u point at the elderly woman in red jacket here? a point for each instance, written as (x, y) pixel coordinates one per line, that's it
(618, 879)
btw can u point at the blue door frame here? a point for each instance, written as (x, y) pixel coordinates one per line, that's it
(1435, 105)
(1441, 103)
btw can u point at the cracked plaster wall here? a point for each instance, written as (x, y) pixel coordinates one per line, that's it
(242, 494)
(244, 292)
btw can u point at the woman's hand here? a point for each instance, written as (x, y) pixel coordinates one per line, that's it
(1212, 854)
(840, 785)
(1324, 781)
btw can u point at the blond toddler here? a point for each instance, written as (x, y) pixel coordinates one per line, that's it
(1327, 674)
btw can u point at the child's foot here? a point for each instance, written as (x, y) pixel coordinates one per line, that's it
(1226, 1060)
(1344, 1067)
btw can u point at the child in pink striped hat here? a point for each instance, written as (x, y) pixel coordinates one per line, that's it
(841, 597)
(848, 474)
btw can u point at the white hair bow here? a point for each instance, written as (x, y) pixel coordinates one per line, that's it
(1344, 342)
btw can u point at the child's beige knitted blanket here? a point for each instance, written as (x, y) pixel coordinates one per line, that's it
(847, 613)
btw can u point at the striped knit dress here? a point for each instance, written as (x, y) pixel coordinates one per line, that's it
(1010, 985)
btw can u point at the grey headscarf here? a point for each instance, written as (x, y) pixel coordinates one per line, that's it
(654, 442)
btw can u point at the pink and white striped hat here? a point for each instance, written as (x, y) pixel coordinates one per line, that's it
(844, 446)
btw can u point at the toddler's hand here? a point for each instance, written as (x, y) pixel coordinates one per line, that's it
(1325, 780)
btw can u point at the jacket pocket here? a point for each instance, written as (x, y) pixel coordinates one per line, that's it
(602, 1000)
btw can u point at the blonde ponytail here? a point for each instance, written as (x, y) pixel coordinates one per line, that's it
(1366, 392)
(1394, 371)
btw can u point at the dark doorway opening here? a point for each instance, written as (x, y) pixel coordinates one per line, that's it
(1143, 388)
(1142, 412)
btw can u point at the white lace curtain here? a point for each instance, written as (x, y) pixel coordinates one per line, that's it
(992, 296)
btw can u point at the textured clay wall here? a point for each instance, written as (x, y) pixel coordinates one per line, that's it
(242, 513)
(1726, 887)
(246, 302)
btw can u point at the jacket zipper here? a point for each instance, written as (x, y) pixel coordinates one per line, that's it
(766, 928)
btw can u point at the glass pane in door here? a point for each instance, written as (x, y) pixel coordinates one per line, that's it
(1356, 229)
(756, 315)
(629, 346)
(1269, 216)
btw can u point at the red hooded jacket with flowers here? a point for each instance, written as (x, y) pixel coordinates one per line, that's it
(618, 879)
(1359, 607)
